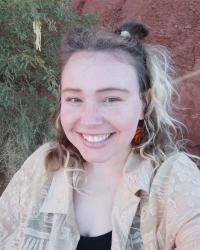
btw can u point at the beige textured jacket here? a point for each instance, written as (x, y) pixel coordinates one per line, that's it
(36, 209)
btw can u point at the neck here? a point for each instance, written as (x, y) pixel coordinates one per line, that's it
(111, 168)
(103, 178)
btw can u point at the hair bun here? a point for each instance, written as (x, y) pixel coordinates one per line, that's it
(133, 29)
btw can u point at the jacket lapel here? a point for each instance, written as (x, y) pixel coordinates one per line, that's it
(51, 220)
(136, 180)
(59, 202)
(124, 209)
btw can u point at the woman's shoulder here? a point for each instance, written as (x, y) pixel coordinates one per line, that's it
(178, 179)
(178, 176)
(42, 150)
(175, 194)
(179, 164)
(36, 161)
(33, 171)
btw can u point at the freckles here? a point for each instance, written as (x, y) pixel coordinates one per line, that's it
(111, 114)
(67, 109)
(69, 117)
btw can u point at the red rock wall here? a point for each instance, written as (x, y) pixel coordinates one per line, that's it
(174, 23)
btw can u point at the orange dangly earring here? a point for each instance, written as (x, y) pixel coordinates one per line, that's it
(139, 132)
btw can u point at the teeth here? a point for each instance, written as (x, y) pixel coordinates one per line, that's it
(96, 138)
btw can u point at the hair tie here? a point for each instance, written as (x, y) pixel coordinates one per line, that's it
(132, 30)
(125, 34)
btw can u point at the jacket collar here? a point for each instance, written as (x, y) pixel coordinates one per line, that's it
(137, 174)
(59, 198)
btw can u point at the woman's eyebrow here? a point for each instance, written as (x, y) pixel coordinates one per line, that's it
(98, 91)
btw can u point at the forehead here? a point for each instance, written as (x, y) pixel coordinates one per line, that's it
(98, 70)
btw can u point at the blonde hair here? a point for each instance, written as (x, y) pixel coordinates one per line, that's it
(162, 128)
(154, 70)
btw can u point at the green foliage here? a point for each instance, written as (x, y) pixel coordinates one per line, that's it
(28, 77)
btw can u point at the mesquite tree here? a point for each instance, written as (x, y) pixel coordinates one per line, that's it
(30, 31)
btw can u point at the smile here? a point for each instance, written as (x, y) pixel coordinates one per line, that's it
(96, 140)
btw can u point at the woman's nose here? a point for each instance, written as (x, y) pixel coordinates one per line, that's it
(91, 114)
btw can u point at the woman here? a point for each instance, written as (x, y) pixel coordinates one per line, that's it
(114, 178)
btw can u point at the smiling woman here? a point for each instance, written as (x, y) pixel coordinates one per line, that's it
(114, 178)
(89, 121)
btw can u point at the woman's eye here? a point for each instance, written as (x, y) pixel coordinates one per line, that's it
(112, 99)
(106, 100)
(73, 99)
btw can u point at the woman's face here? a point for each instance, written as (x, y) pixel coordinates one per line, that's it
(100, 105)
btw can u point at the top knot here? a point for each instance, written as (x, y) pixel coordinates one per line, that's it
(132, 30)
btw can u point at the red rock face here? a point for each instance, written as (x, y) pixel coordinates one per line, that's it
(174, 23)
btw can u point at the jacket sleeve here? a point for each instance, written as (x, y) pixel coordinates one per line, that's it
(184, 200)
(10, 206)
(188, 236)
(16, 196)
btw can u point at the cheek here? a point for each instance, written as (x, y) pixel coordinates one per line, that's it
(126, 120)
(129, 124)
(67, 117)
